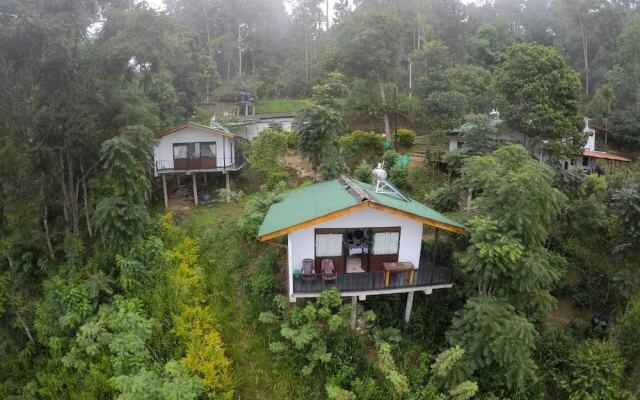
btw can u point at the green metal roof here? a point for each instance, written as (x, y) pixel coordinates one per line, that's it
(320, 199)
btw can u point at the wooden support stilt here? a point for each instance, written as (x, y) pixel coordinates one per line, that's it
(205, 177)
(195, 188)
(178, 180)
(226, 175)
(407, 309)
(354, 308)
(164, 191)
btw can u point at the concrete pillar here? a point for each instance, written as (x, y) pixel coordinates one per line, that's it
(164, 190)
(246, 108)
(407, 309)
(226, 177)
(354, 309)
(195, 188)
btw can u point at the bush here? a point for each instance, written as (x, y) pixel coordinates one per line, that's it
(361, 146)
(595, 371)
(389, 158)
(444, 198)
(265, 156)
(406, 137)
(398, 175)
(364, 172)
(255, 210)
(292, 139)
(265, 285)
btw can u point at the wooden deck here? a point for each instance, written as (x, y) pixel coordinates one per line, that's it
(427, 275)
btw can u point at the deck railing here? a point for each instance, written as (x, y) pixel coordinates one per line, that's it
(217, 164)
(426, 275)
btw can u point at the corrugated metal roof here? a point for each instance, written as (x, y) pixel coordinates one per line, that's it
(323, 199)
(604, 155)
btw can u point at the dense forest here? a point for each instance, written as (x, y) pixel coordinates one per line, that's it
(103, 294)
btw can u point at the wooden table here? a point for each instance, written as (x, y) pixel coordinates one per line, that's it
(390, 267)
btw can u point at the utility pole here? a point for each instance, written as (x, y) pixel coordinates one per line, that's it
(410, 78)
(327, 15)
(239, 51)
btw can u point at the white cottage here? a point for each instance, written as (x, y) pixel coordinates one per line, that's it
(193, 149)
(362, 239)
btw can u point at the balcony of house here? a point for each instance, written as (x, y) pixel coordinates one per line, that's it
(394, 278)
(199, 164)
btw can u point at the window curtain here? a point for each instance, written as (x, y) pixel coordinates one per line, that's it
(329, 245)
(385, 242)
(207, 149)
(180, 151)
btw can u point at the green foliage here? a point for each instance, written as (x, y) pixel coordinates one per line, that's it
(406, 137)
(389, 158)
(595, 371)
(398, 175)
(173, 383)
(498, 341)
(445, 198)
(542, 95)
(121, 214)
(507, 254)
(255, 210)
(359, 146)
(332, 91)
(363, 172)
(310, 334)
(119, 332)
(265, 156)
(627, 335)
(319, 129)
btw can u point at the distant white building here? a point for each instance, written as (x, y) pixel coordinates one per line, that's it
(192, 149)
(249, 126)
(590, 160)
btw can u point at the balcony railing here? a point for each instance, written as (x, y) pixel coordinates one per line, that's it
(426, 275)
(202, 163)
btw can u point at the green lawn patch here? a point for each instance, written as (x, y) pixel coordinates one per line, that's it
(281, 105)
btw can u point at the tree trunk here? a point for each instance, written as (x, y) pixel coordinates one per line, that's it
(585, 54)
(27, 331)
(47, 236)
(86, 202)
(73, 197)
(387, 129)
(65, 195)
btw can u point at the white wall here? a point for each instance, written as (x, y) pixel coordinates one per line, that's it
(164, 148)
(302, 242)
(251, 130)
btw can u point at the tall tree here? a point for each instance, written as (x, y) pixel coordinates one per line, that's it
(542, 97)
(319, 129)
(366, 45)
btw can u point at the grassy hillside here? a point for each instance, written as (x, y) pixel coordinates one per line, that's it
(280, 105)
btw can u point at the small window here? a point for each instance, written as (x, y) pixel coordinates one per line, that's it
(208, 149)
(566, 165)
(180, 151)
(585, 161)
(329, 245)
(386, 242)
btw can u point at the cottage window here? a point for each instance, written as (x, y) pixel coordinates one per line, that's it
(207, 149)
(180, 151)
(329, 245)
(386, 242)
(585, 161)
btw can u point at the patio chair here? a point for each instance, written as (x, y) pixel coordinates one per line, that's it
(308, 272)
(328, 271)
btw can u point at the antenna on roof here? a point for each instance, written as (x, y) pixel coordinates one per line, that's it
(217, 125)
(381, 185)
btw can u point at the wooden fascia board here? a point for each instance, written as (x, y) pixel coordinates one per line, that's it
(312, 222)
(423, 220)
(188, 125)
(357, 207)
